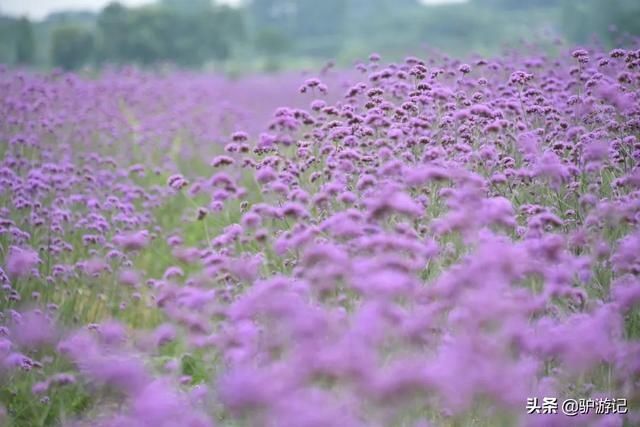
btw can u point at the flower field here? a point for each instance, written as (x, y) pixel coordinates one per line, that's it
(421, 243)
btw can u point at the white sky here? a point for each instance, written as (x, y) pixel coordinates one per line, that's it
(36, 9)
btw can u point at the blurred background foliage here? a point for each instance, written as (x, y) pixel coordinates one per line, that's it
(259, 35)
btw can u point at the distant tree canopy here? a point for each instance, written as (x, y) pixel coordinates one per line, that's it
(194, 33)
(609, 19)
(272, 42)
(517, 4)
(167, 32)
(17, 41)
(25, 44)
(71, 46)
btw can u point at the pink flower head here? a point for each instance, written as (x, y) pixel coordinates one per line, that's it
(21, 261)
(132, 241)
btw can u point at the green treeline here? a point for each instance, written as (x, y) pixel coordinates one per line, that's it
(270, 34)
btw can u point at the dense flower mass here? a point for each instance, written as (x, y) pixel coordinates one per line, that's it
(428, 242)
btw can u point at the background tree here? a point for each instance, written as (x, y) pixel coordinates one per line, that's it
(7, 40)
(583, 18)
(112, 29)
(273, 44)
(517, 4)
(303, 33)
(186, 33)
(71, 46)
(25, 42)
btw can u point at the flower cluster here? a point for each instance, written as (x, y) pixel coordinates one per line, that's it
(427, 242)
